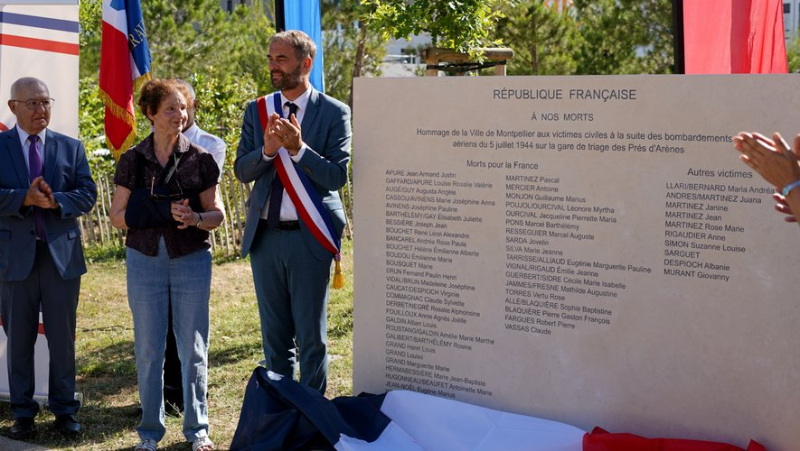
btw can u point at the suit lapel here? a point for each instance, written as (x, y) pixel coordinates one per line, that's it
(14, 151)
(312, 110)
(50, 157)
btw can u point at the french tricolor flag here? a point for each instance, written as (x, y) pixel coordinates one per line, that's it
(124, 65)
(280, 414)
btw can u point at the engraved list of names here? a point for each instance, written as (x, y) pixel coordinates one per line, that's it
(584, 249)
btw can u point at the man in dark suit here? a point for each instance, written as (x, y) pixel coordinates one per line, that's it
(291, 268)
(45, 185)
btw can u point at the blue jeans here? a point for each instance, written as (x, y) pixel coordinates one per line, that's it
(154, 282)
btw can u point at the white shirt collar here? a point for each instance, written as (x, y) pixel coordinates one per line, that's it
(301, 102)
(23, 137)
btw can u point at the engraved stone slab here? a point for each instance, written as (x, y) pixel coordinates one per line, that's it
(583, 249)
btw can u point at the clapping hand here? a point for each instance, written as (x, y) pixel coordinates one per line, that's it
(286, 132)
(783, 207)
(772, 158)
(183, 213)
(272, 141)
(40, 195)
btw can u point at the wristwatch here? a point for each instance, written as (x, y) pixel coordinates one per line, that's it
(199, 220)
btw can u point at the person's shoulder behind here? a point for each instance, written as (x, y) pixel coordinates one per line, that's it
(210, 136)
(201, 153)
(195, 149)
(202, 160)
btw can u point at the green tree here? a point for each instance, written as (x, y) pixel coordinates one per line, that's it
(793, 55)
(543, 39)
(194, 36)
(345, 35)
(224, 53)
(221, 102)
(462, 25)
(90, 122)
(624, 36)
(90, 17)
(190, 36)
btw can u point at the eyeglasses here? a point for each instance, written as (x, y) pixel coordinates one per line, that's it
(34, 105)
(158, 197)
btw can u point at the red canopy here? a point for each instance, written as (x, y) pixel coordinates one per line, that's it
(734, 37)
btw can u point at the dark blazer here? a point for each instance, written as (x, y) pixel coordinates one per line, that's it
(67, 172)
(326, 131)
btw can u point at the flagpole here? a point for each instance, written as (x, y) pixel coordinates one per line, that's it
(280, 16)
(677, 36)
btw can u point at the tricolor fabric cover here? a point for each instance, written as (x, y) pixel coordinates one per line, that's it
(600, 440)
(280, 414)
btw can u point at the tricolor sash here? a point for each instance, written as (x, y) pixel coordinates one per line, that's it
(305, 198)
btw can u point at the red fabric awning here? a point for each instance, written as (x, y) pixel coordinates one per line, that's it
(734, 37)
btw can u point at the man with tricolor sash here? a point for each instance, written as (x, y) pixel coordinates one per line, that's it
(295, 146)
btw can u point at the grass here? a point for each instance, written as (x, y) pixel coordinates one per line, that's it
(106, 370)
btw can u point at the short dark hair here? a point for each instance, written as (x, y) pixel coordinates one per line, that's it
(155, 91)
(302, 43)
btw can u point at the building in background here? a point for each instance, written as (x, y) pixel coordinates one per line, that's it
(791, 19)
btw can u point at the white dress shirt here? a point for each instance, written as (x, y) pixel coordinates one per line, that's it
(288, 210)
(212, 144)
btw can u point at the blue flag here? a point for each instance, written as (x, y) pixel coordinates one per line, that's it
(137, 37)
(304, 15)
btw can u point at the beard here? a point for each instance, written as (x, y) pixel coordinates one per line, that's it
(287, 80)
